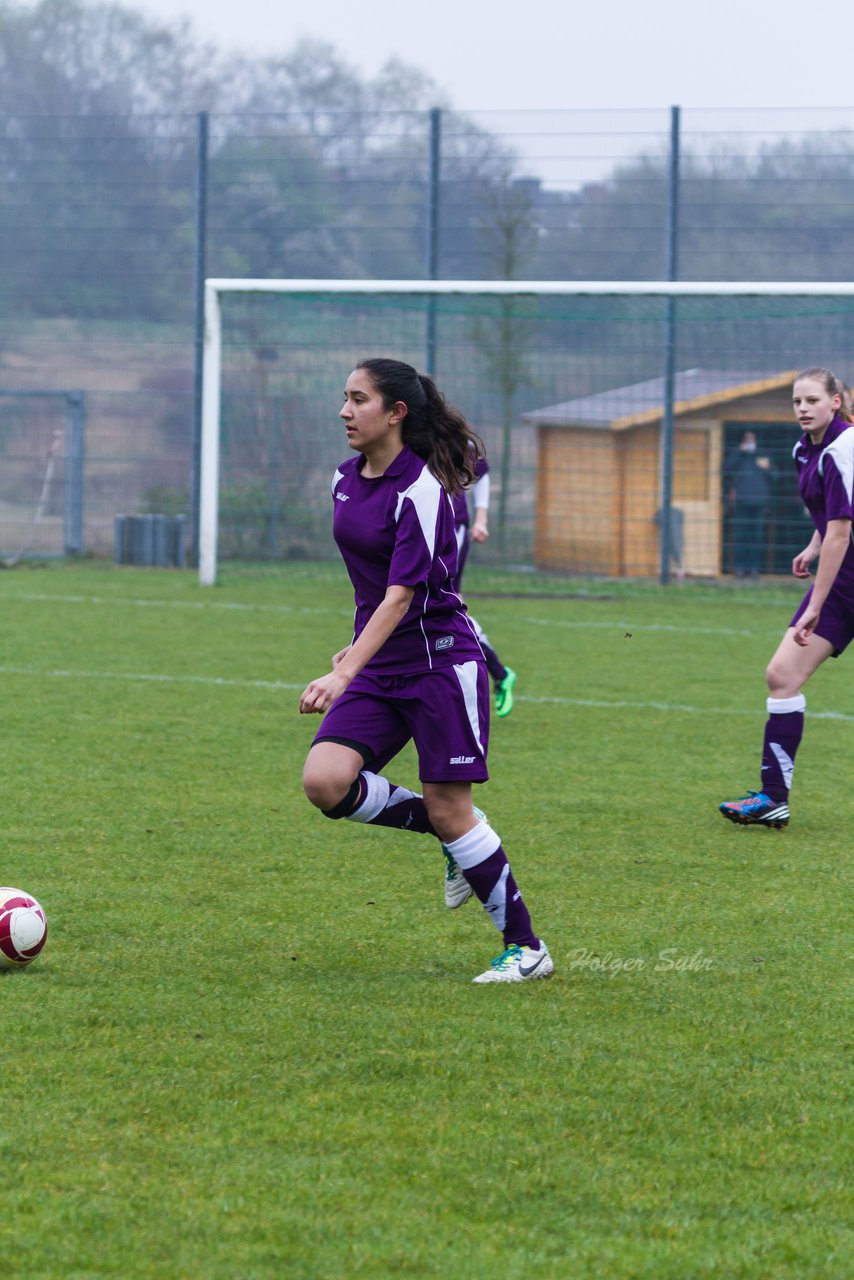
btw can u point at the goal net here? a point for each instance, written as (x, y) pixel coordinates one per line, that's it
(613, 414)
(41, 476)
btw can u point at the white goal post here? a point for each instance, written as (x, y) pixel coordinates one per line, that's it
(209, 462)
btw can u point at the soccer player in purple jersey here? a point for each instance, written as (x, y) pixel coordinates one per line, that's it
(414, 669)
(824, 622)
(503, 678)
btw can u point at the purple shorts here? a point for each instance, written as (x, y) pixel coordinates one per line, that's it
(444, 712)
(835, 622)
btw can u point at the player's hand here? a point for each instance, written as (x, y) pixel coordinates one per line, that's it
(319, 694)
(342, 653)
(479, 531)
(806, 625)
(801, 563)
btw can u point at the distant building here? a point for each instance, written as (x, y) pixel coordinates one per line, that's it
(598, 470)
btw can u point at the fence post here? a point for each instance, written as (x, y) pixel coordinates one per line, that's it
(198, 326)
(666, 456)
(433, 180)
(72, 522)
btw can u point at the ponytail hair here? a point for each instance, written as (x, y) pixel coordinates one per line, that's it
(432, 428)
(834, 386)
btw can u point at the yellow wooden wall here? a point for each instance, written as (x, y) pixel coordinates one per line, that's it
(598, 498)
(598, 489)
(577, 501)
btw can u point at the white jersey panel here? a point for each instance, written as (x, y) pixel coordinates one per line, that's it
(841, 450)
(425, 495)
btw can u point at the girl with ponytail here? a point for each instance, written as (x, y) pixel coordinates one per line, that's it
(823, 625)
(414, 669)
(433, 429)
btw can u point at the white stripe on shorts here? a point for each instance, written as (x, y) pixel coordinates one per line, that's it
(467, 676)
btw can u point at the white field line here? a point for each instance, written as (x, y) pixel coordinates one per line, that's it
(640, 627)
(615, 624)
(604, 704)
(146, 677)
(284, 609)
(228, 605)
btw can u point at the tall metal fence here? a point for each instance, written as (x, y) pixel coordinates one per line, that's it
(109, 224)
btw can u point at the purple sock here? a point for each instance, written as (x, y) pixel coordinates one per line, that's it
(783, 732)
(384, 805)
(494, 665)
(484, 864)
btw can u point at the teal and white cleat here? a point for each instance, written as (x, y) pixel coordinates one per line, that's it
(457, 888)
(519, 964)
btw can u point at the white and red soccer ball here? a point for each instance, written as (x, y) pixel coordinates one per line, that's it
(23, 928)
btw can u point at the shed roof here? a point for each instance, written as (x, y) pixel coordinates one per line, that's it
(643, 402)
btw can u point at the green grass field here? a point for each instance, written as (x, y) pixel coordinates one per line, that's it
(251, 1049)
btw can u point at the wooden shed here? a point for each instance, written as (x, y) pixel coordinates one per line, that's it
(598, 469)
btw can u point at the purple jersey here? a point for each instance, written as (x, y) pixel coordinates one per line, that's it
(398, 530)
(825, 479)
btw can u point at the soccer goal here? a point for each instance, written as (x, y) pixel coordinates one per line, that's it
(609, 409)
(41, 488)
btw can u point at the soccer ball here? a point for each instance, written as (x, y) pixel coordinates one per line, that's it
(23, 928)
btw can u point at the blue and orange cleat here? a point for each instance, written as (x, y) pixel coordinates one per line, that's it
(756, 809)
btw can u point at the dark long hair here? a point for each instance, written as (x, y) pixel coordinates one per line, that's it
(432, 428)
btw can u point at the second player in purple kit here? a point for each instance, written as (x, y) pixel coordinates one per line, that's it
(823, 625)
(468, 531)
(414, 669)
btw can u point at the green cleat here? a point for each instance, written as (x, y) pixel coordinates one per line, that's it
(504, 694)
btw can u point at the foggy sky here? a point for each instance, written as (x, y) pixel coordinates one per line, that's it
(535, 54)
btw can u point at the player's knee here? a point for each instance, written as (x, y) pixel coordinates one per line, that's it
(781, 682)
(449, 816)
(320, 789)
(332, 794)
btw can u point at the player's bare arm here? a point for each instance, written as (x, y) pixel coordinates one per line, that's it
(319, 694)
(803, 560)
(836, 542)
(480, 526)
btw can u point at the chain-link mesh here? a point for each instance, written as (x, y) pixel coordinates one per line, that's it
(568, 394)
(99, 250)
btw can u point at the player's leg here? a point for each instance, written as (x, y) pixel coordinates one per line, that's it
(359, 735)
(447, 713)
(450, 723)
(787, 673)
(478, 851)
(503, 678)
(329, 772)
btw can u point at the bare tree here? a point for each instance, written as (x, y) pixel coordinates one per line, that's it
(509, 229)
